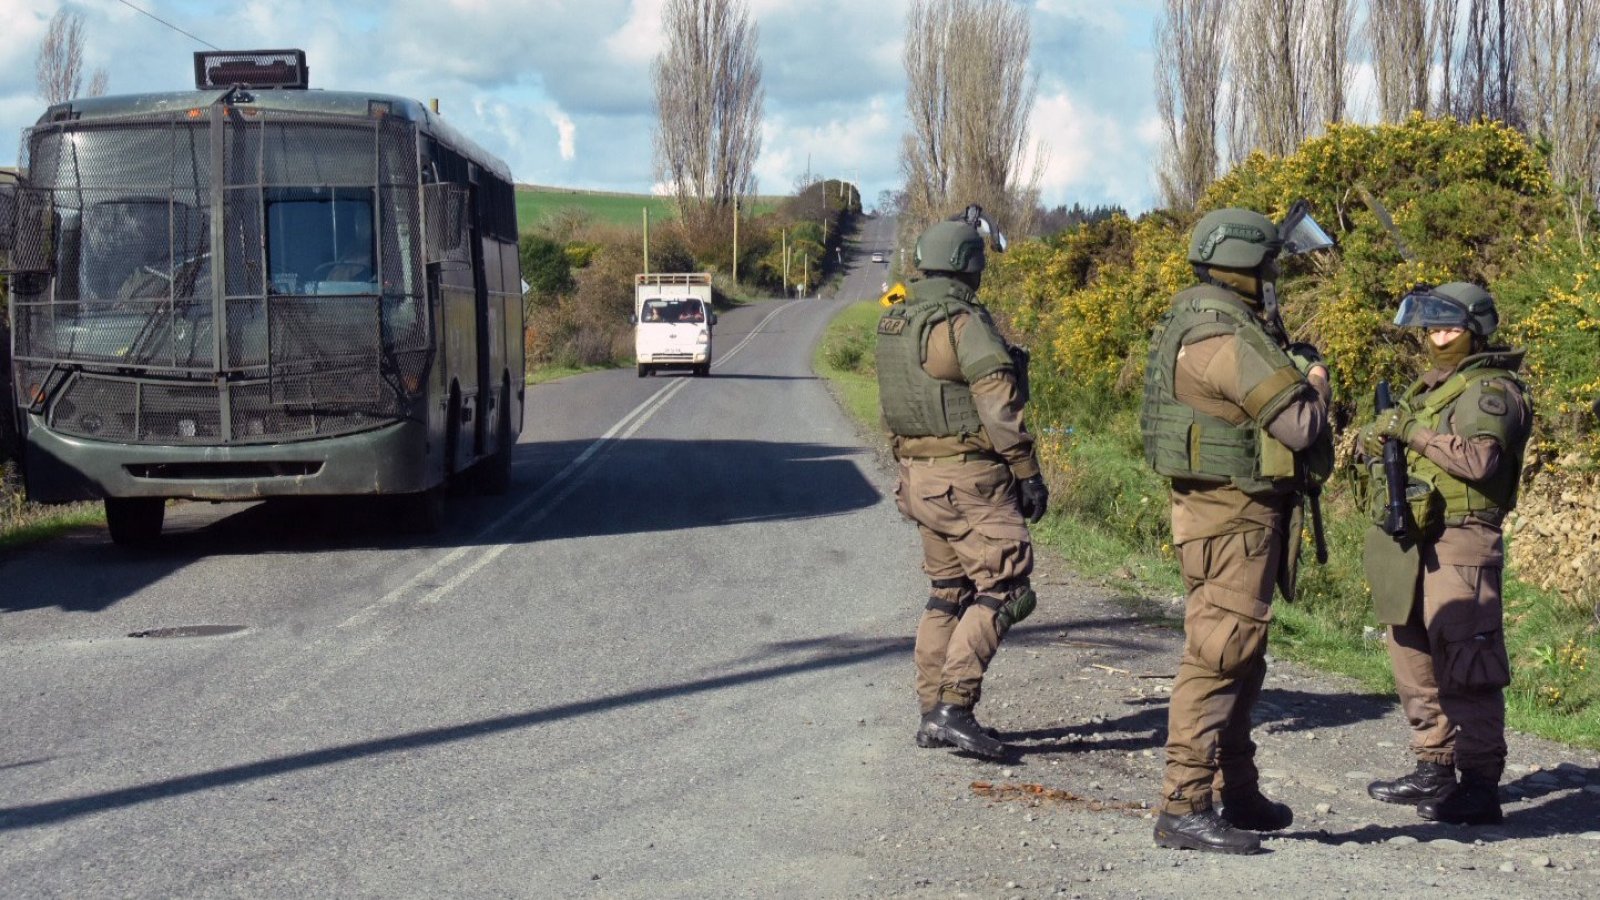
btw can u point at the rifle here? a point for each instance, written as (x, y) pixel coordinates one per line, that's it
(1394, 472)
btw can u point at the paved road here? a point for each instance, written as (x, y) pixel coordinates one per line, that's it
(638, 666)
(675, 661)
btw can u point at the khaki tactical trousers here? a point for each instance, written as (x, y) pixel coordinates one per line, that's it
(975, 541)
(1451, 668)
(1230, 580)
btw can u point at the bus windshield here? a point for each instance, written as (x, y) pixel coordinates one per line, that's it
(320, 241)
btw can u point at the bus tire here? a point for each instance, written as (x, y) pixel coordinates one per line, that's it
(135, 521)
(496, 470)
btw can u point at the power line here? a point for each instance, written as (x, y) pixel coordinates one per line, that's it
(168, 24)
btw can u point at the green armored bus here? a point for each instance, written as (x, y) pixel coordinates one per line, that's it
(256, 290)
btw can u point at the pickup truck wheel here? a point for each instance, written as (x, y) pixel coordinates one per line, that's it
(135, 521)
(643, 370)
(703, 370)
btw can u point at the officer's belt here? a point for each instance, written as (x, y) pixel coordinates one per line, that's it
(973, 456)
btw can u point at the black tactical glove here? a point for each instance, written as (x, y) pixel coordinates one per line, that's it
(1035, 498)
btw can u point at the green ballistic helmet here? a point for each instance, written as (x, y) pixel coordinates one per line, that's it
(1234, 239)
(950, 247)
(1453, 305)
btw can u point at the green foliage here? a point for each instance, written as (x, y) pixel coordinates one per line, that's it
(546, 267)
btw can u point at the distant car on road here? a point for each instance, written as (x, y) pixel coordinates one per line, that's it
(878, 257)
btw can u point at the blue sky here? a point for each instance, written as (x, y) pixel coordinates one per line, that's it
(560, 88)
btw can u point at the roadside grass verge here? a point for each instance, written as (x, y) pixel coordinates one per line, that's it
(1105, 528)
(23, 523)
(844, 356)
(545, 374)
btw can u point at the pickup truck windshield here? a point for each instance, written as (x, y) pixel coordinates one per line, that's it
(673, 311)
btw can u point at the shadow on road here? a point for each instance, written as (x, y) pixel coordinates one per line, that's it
(1146, 727)
(628, 487)
(847, 652)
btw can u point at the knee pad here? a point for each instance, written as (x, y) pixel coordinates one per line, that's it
(1016, 604)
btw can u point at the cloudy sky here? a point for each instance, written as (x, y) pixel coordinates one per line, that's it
(561, 90)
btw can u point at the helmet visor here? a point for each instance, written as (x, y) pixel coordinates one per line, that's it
(1300, 233)
(1432, 311)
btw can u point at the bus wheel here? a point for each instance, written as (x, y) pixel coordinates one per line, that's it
(643, 370)
(135, 521)
(423, 512)
(495, 477)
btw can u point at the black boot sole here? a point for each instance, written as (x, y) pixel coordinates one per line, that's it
(962, 742)
(1174, 840)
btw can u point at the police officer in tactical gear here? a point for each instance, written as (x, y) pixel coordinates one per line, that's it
(1235, 420)
(1465, 425)
(952, 398)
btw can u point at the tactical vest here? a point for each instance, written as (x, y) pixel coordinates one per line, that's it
(1466, 405)
(916, 404)
(1182, 443)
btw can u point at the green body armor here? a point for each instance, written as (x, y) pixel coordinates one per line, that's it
(915, 404)
(1470, 403)
(1183, 443)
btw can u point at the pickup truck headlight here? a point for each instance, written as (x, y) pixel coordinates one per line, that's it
(704, 337)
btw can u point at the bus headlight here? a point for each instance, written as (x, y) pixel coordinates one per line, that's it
(186, 428)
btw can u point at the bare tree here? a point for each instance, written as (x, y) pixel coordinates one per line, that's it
(1189, 75)
(969, 96)
(708, 102)
(1560, 93)
(1487, 73)
(1397, 32)
(59, 65)
(1274, 63)
(1330, 70)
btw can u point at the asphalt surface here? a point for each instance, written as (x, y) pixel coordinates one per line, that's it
(674, 661)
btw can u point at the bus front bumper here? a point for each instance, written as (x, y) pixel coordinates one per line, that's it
(392, 459)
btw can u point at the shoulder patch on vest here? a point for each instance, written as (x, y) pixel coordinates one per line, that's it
(891, 325)
(1493, 404)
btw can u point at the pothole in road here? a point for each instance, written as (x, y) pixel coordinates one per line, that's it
(188, 631)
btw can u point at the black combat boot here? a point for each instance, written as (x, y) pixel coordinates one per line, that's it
(1253, 811)
(1431, 781)
(1475, 801)
(954, 724)
(927, 740)
(1204, 830)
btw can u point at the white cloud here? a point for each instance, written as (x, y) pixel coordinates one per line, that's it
(640, 38)
(1091, 157)
(566, 131)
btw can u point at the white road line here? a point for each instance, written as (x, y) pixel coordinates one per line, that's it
(550, 494)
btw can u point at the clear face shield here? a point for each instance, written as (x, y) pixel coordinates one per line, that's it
(973, 216)
(1300, 233)
(1425, 309)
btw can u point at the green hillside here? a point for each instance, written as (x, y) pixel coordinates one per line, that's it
(537, 202)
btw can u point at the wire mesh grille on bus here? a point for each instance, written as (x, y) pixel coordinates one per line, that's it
(326, 324)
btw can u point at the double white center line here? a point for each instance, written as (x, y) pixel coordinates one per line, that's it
(536, 506)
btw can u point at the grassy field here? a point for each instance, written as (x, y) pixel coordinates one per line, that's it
(1544, 651)
(535, 203)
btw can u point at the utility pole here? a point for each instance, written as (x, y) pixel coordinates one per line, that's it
(736, 242)
(786, 260)
(646, 211)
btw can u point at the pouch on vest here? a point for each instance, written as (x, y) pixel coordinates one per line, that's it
(1392, 569)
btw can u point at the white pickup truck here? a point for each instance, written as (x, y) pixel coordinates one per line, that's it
(673, 322)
